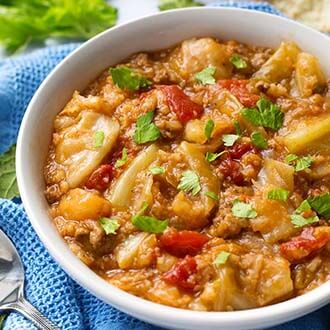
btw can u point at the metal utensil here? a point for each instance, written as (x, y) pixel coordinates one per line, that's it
(12, 285)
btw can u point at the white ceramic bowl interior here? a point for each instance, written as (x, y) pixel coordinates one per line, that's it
(83, 66)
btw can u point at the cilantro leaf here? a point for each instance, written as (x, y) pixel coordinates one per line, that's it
(147, 223)
(210, 156)
(212, 195)
(126, 78)
(266, 114)
(243, 210)
(98, 139)
(146, 130)
(299, 221)
(303, 207)
(173, 4)
(321, 204)
(209, 126)
(189, 182)
(109, 225)
(157, 170)
(237, 128)
(278, 194)
(206, 76)
(229, 139)
(221, 258)
(238, 62)
(8, 183)
(34, 21)
(299, 163)
(258, 140)
(123, 160)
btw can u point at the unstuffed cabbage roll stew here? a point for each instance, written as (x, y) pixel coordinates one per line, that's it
(198, 177)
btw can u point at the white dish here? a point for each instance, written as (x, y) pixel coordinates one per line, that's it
(83, 66)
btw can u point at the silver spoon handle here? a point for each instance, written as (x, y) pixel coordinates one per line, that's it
(25, 308)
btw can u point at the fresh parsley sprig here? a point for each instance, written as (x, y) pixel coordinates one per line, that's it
(189, 182)
(208, 129)
(258, 140)
(243, 210)
(299, 220)
(146, 130)
(299, 163)
(238, 62)
(122, 161)
(221, 258)
(109, 225)
(279, 194)
(206, 76)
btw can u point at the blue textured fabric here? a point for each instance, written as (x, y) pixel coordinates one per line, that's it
(47, 286)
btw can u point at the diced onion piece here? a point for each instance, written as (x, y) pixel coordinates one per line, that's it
(308, 74)
(122, 193)
(312, 135)
(75, 150)
(281, 64)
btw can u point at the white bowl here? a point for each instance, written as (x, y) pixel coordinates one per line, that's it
(83, 66)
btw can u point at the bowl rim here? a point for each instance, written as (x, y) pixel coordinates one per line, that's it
(128, 303)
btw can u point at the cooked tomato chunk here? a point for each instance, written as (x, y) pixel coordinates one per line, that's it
(239, 89)
(181, 104)
(183, 243)
(181, 273)
(100, 178)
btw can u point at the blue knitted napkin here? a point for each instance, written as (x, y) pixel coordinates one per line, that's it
(47, 286)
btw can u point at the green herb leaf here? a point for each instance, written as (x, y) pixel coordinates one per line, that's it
(299, 163)
(146, 130)
(98, 139)
(174, 4)
(321, 204)
(266, 114)
(189, 182)
(147, 223)
(299, 221)
(210, 156)
(278, 194)
(212, 195)
(209, 126)
(109, 225)
(126, 78)
(238, 62)
(157, 170)
(258, 140)
(123, 160)
(237, 128)
(243, 210)
(303, 207)
(221, 258)
(8, 183)
(34, 21)
(229, 139)
(206, 76)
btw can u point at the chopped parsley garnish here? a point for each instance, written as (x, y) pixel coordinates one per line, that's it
(299, 221)
(258, 140)
(209, 126)
(8, 182)
(221, 258)
(123, 160)
(146, 130)
(126, 78)
(321, 204)
(148, 224)
(243, 210)
(267, 114)
(210, 156)
(189, 182)
(109, 225)
(212, 195)
(98, 139)
(238, 62)
(157, 170)
(174, 4)
(229, 139)
(237, 128)
(279, 194)
(299, 163)
(206, 76)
